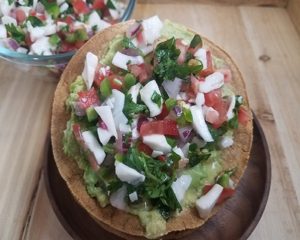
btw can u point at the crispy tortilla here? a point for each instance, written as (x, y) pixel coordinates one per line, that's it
(112, 219)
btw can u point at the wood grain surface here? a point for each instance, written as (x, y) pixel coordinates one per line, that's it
(293, 9)
(263, 42)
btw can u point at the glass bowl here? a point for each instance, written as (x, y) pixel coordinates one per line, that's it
(56, 60)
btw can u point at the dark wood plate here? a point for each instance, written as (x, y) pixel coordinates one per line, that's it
(236, 220)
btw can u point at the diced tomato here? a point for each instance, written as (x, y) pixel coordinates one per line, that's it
(42, 17)
(116, 81)
(78, 136)
(213, 98)
(210, 69)
(98, 4)
(227, 74)
(226, 193)
(211, 116)
(222, 108)
(165, 127)
(20, 15)
(32, 12)
(243, 116)
(28, 39)
(163, 113)
(100, 75)
(88, 98)
(68, 20)
(162, 158)
(187, 88)
(142, 72)
(183, 49)
(67, 47)
(80, 6)
(142, 147)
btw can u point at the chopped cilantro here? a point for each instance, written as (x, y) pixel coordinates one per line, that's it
(77, 35)
(131, 108)
(156, 98)
(35, 22)
(196, 155)
(51, 8)
(196, 41)
(54, 40)
(15, 32)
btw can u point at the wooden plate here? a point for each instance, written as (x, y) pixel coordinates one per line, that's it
(236, 220)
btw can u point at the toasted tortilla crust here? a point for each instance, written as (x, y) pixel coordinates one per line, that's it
(118, 222)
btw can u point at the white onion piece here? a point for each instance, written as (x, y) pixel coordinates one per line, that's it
(180, 186)
(172, 87)
(121, 60)
(117, 198)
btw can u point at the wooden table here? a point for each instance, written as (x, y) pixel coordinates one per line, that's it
(264, 43)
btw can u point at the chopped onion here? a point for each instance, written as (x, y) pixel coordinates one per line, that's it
(133, 52)
(172, 87)
(133, 30)
(185, 133)
(12, 43)
(79, 111)
(40, 8)
(178, 111)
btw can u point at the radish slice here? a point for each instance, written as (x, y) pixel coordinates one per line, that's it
(199, 124)
(212, 82)
(206, 203)
(121, 60)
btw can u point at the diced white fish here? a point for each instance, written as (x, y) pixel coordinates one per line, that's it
(128, 174)
(199, 123)
(211, 82)
(107, 117)
(93, 145)
(230, 113)
(151, 29)
(133, 196)
(119, 100)
(117, 198)
(121, 60)
(89, 70)
(104, 135)
(180, 186)
(146, 95)
(134, 91)
(206, 202)
(157, 142)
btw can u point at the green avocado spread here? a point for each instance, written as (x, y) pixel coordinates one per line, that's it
(100, 184)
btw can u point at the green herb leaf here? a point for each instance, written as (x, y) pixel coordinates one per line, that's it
(129, 81)
(54, 40)
(127, 43)
(111, 4)
(35, 22)
(156, 98)
(15, 32)
(78, 35)
(170, 103)
(196, 41)
(196, 155)
(51, 8)
(130, 108)
(109, 148)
